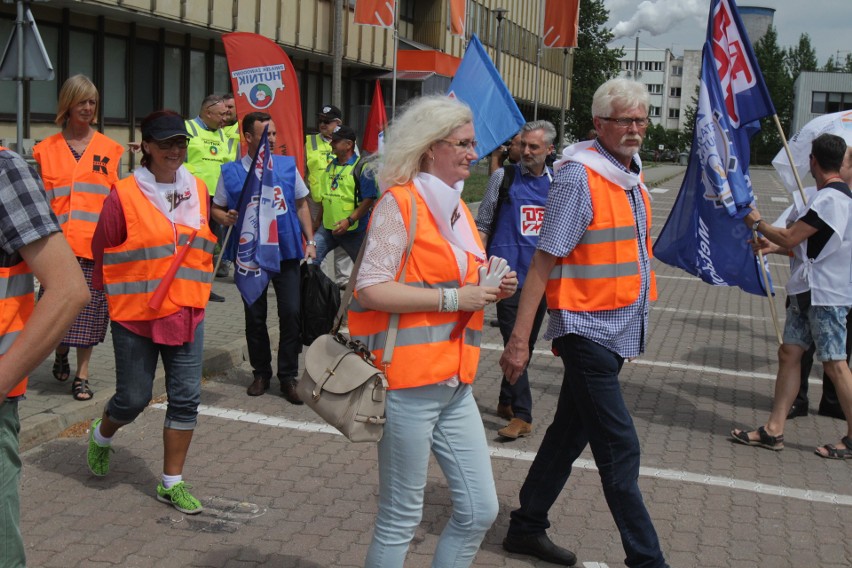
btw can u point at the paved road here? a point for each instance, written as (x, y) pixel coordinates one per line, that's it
(280, 490)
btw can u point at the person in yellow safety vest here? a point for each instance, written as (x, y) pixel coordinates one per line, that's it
(347, 198)
(209, 148)
(318, 154)
(232, 123)
(31, 244)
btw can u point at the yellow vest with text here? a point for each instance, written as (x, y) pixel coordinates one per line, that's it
(207, 151)
(338, 195)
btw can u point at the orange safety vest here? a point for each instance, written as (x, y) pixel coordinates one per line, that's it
(602, 272)
(134, 269)
(424, 353)
(16, 306)
(77, 190)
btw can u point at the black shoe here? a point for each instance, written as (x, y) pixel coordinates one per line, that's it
(831, 410)
(540, 546)
(494, 323)
(216, 297)
(288, 391)
(259, 386)
(798, 409)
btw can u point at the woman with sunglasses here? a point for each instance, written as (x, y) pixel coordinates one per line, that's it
(430, 405)
(79, 165)
(153, 252)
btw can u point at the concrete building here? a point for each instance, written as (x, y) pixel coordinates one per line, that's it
(756, 20)
(818, 92)
(660, 71)
(149, 54)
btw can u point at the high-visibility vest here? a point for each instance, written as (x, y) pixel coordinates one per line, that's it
(17, 300)
(77, 189)
(424, 354)
(318, 155)
(603, 272)
(339, 197)
(207, 151)
(134, 269)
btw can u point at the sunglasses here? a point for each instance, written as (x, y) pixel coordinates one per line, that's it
(180, 143)
(326, 120)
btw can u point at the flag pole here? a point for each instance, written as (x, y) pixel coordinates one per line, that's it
(765, 275)
(790, 157)
(395, 50)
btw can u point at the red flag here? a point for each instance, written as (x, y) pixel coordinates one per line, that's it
(264, 80)
(458, 15)
(561, 22)
(377, 121)
(375, 13)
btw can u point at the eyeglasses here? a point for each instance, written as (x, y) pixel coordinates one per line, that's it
(326, 120)
(179, 143)
(466, 145)
(625, 122)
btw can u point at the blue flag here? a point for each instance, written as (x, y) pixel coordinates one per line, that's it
(496, 116)
(255, 250)
(704, 234)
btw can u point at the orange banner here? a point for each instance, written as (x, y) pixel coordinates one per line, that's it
(264, 80)
(375, 13)
(561, 22)
(377, 121)
(458, 15)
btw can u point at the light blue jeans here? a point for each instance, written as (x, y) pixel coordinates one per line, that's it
(446, 422)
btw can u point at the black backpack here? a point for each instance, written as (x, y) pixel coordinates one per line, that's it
(320, 302)
(502, 194)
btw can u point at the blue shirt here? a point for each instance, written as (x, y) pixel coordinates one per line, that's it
(567, 215)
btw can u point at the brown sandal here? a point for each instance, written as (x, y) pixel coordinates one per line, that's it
(80, 389)
(61, 367)
(764, 440)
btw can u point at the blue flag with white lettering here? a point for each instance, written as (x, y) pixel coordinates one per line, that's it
(496, 116)
(704, 234)
(257, 251)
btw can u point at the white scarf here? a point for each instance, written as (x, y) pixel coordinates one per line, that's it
(180, 203)
(443, 202)
(583, 154)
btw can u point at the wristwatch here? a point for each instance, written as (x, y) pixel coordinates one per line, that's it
(312, 243)
(756, 223)
(351, 221)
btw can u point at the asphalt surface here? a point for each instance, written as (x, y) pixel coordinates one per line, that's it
(281, 490)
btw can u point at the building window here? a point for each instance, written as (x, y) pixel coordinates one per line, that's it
(81, 55)
(674, 92)
(653, 111)
(145, 79)
(197, 80)
(114, 97)
(43, 94)
(658, 65)
(655, 89)
(823, 102)
(677, 70)
(674, 113)
(172, 73)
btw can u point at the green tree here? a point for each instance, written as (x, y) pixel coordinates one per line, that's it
(779, 83)
(801, 58)
(689, 120)
(594, 63)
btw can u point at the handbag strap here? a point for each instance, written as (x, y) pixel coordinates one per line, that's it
(393, 324)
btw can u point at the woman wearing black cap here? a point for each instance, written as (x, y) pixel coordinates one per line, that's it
(153, 253)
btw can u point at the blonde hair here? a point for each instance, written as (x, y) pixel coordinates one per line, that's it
(75, 89)
(422, 122)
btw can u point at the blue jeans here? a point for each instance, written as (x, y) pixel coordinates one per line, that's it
(327, 242)
(518, 395)
(286, 285)
(823, 326)
(11, 543)
(446, 421)
(591, 410)
(135, 365)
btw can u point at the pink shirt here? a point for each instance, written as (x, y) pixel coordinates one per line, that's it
(175, 329)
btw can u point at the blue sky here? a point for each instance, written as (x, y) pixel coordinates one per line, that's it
(681, 24)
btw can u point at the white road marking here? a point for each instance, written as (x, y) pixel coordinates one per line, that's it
(779, 199)
(668, 474)
(659, 190)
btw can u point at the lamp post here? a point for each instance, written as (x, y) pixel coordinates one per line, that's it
(500, 13)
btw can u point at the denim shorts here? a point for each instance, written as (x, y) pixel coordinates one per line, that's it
(824, 326)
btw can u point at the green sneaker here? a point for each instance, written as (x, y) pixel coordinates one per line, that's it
(179, 497)
(98, 456)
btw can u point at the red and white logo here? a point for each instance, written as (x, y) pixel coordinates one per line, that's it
(733, 66)
(531, 218)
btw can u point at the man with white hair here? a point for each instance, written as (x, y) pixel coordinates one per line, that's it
(593, 261)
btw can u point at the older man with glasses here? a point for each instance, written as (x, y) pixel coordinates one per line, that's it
(593, 262)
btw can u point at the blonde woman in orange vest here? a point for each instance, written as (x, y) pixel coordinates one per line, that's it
(430, 405)
(79, 165)
(153, 251)
(30, 244)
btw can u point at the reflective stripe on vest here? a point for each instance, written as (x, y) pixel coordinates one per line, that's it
(424, 336)
(134, 269)
(77, 189)
(17, 300)
(603, 272)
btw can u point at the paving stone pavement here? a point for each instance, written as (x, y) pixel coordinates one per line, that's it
(279, 490)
